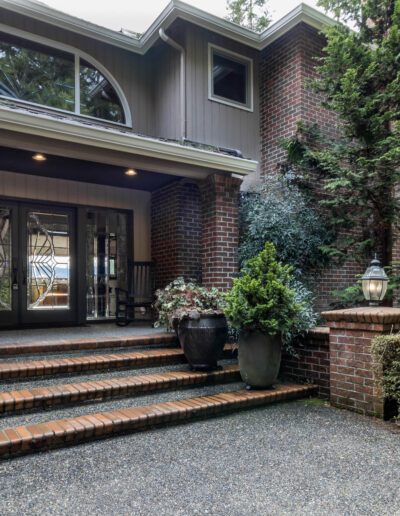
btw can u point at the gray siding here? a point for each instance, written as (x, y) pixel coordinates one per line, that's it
(130, 70)
(24, 186)
(209, 121)
(151, 84)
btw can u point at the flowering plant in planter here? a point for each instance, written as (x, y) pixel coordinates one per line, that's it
(181, 299)
(196, 314)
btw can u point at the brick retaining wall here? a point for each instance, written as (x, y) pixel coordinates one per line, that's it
(312, 362)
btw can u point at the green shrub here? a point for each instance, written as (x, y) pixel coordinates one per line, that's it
(279, 212)
(386, 352)
(262, 299)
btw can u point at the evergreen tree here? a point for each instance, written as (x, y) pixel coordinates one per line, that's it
(252, 14)
(359, 77)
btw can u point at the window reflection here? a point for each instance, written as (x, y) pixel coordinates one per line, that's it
(35, 73)
(98, 97)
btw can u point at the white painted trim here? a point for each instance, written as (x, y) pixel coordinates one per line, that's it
(77, 54)
(73, 132)
(175, 9)
(239, 58)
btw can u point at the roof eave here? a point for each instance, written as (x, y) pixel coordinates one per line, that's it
(73, 132)
(175, 9)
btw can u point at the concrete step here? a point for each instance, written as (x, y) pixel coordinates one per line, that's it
(41, 397)
(62, 432)
(94, 362)
(41, 346)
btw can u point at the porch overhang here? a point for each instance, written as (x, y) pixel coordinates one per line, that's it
(121, 146)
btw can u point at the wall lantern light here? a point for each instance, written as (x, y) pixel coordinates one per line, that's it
(374, 283)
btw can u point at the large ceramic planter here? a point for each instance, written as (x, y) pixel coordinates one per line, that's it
(259, 358)
(203, 340)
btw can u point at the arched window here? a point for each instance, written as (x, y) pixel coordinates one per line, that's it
(59, 77)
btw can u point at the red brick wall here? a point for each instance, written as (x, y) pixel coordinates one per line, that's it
(287, 98)
(176, 232)
(195, 231)
(310, 362)
(220, 239)
(352, 377)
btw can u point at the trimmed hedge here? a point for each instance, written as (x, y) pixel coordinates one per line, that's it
(386, 353)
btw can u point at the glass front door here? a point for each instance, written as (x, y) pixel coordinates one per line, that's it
(106, 261)
(37, 270)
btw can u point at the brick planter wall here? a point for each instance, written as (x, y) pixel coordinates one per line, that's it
(312, 362)
(352, 372)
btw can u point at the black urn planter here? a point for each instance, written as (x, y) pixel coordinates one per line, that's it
(259, 358)
(203, 340)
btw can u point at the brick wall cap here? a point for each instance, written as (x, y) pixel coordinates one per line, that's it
(365, 314)
(325, 330)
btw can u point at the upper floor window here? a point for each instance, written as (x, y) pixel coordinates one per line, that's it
(230, 78)
(33, 72)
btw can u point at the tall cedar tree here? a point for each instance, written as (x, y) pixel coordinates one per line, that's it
(359, 77)
(252, 14)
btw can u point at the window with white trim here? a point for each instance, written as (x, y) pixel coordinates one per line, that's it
(230, 77)
(39, 74)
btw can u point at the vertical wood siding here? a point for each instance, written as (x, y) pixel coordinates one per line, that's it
(151, 84)
(24, 186)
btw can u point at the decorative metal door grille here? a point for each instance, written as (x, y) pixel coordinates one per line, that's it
(48, 257)
(5, 260)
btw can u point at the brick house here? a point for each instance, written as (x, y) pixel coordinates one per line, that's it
(117, 149)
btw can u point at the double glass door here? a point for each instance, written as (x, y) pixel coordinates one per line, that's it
(37, 269)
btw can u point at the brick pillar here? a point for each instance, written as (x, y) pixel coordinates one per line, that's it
(220, 238)
(176, 232)
(352, 376)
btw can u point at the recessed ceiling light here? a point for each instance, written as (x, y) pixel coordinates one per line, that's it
(39, 157)
(130, 172)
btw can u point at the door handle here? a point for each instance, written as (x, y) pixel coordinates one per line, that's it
(15, 274)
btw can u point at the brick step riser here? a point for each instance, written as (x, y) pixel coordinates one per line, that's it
(63, 370)
(165, 340)
(14, 402)
(53, 434)
(32, 370)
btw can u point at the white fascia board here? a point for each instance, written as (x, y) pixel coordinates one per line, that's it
(175, 9)
(44, 13)
(74, 132)
(302, 13)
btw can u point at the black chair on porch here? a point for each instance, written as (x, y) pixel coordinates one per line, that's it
(140, 293)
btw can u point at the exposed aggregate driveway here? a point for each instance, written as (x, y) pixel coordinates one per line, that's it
(292, 458)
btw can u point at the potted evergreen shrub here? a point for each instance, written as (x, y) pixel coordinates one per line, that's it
(263, 307)
(196, 314)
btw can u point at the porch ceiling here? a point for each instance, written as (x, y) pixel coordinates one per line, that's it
(59, 167)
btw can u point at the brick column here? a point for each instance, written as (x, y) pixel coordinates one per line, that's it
(352, 376)
(220, 230)
(176, 232)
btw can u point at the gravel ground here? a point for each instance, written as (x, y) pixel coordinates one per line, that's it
(292, 458)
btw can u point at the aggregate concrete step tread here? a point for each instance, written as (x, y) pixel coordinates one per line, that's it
(145, 358)
(49, 434)
(44, 397)
(40, 346)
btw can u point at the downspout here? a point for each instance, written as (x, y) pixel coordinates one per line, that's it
(182, 51)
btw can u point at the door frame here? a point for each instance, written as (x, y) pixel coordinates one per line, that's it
(46, 316)
(79, 260)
